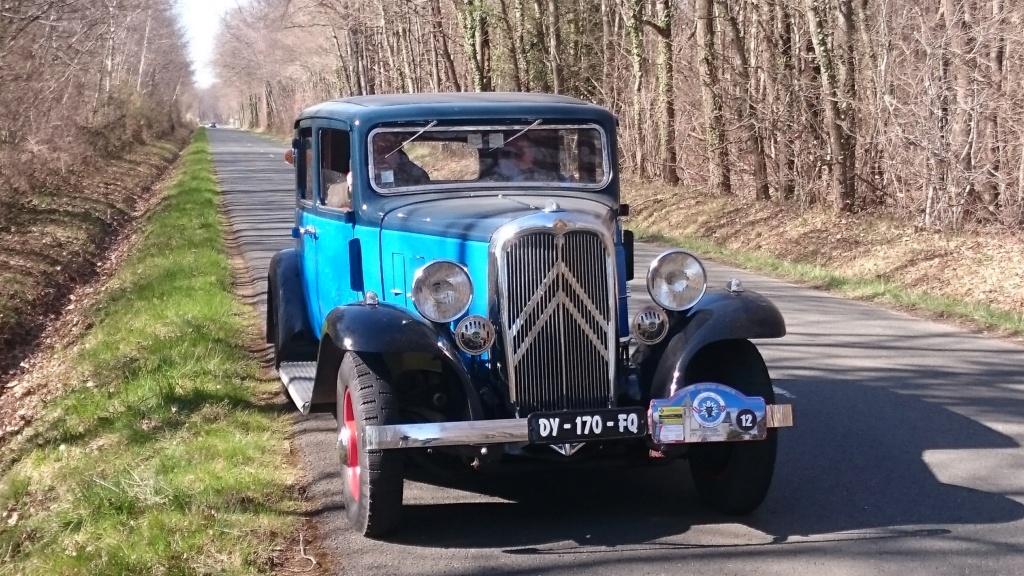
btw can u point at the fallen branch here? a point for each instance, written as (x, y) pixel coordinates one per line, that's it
(302, 552)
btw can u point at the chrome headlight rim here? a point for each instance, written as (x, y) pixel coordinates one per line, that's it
(419, 288)
(657, 266)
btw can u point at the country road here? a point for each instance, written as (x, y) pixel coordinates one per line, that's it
(906, 457)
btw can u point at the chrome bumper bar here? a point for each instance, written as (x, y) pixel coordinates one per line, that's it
(482, 432)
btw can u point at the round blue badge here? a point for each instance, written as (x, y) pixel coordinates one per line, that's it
(708, 409)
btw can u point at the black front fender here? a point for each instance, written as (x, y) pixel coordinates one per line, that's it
(383, 329)
(720, 315)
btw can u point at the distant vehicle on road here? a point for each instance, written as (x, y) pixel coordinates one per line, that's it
(457, 292)
(213, 124)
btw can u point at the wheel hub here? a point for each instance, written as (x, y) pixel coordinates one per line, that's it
(348, 447)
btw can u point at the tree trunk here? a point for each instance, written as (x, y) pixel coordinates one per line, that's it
(477, 41)
(435, 69)
(959, 23)
(666, 94)
(749, 122)
(875, 92)
(411, 78)
(636, 51)
(446, 54)
(606, 51)
(555, 48)
(993, 185)
(145, 46)
(839, 114)
(346, 75)
(514, 45)
(720, 178)
(780, 78)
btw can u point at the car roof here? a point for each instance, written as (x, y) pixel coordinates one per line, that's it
(456, 105)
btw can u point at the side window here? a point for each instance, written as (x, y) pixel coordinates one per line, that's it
(303, 175)
(335, 179)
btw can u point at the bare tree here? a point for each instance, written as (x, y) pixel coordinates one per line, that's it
(711, 94)
(913, 107)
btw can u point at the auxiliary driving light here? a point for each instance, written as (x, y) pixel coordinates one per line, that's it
(474, 335)
(650, 325)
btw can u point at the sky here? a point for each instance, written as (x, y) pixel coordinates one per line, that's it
(201, 19)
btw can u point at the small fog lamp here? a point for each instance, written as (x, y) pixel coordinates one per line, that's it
(650, 325)
(474, 335)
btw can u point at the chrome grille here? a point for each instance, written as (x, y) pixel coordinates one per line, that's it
(557, 313)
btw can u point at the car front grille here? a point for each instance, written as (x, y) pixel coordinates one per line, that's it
(557, 319)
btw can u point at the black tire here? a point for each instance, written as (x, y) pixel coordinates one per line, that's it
(733, 478)
(372, 480)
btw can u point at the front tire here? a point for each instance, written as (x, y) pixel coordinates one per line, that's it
(733, 477)
(372, 479)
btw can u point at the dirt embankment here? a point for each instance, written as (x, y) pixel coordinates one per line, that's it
(52, 239)
(983, 264)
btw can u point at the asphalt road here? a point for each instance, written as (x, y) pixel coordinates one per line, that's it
(906, 457)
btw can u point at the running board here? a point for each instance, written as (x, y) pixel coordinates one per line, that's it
(297, 378)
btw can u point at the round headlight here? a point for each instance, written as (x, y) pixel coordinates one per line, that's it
(676, 280)
(442, 291)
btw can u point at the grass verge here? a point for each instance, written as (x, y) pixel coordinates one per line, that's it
(980, 316)
(167, 456)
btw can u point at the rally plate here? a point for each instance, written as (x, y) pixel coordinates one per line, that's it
(708, 412)
(586, 425)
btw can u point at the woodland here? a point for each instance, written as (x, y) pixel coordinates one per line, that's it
(83, 79)
(911, 108)
(768, 110)
(93, 100)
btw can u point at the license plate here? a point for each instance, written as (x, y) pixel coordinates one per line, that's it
(586, 425)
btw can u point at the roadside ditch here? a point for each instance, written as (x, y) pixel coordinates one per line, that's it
(155, 443)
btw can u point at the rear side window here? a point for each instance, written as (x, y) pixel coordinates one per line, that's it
(335, 184)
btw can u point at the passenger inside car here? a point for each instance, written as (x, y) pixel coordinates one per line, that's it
(392, 166)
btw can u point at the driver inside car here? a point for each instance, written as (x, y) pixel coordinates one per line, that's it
(523, 160)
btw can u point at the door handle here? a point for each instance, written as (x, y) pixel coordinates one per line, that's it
(310, 230)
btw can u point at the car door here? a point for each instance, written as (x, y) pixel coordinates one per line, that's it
(305, 227)
(335, 219)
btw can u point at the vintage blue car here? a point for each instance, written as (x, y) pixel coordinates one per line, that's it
(458, 286)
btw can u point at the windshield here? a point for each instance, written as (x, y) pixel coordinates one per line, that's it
(530, 155)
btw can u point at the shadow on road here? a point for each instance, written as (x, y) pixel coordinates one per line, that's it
(853, 464)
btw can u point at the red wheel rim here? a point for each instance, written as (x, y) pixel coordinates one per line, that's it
(352, 465)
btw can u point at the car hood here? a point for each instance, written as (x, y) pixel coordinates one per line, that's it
(476, 218)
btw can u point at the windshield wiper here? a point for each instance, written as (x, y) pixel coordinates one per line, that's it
(517, 135)
(517, 201)
(414, 136)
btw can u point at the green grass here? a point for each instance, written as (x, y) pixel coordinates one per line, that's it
(977, 315)
(162, 459)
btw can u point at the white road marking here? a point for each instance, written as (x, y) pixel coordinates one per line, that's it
(783, 391)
